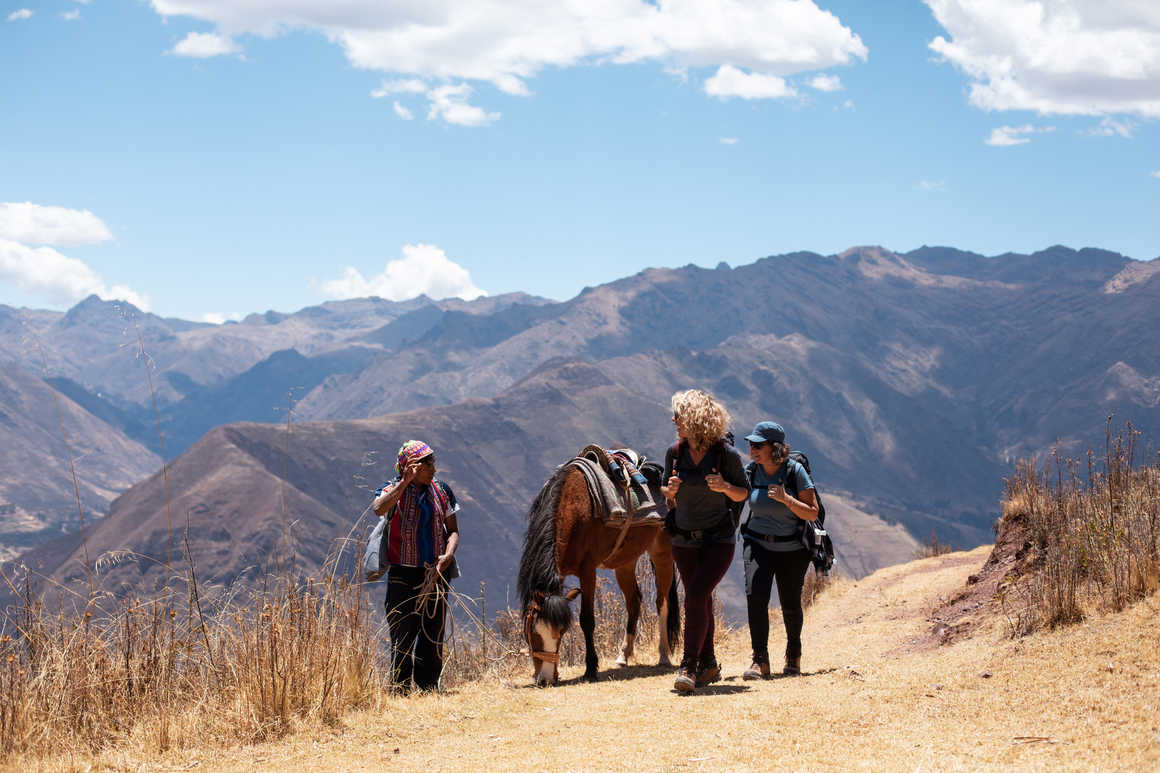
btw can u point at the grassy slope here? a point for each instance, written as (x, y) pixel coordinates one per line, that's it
(881, 692)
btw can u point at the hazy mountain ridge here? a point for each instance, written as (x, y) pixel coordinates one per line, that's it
(911, 380)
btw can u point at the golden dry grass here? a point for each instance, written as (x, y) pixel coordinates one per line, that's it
(878, 694)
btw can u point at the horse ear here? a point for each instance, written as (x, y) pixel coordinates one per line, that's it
(572, 594)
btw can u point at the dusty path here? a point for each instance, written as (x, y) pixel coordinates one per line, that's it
(879, 694)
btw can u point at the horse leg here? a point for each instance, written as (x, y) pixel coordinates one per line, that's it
(626, 579)
(588, 619)
(668, 614)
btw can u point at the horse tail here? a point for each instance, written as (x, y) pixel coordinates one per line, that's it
(674, 619)
(672, 623)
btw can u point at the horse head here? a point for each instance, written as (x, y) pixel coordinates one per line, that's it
(546, 620)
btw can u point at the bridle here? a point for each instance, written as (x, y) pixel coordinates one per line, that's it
(531, 615)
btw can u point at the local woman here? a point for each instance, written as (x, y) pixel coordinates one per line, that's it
(705, 481)
(422, 536)
(782, 498)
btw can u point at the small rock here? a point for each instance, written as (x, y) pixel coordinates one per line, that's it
(974, 578)
(986, 674)
(1111, 667)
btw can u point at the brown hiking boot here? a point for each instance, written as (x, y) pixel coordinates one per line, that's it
(757, 670)
(708, 674)
(793, 667)
(686, 680)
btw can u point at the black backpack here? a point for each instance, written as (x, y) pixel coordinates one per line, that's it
(718, 452)
(813, 533)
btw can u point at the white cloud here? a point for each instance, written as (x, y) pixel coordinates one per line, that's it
(204, 45)
(20, 15)
(1006, 136)
(216, 318)
(932, 185)
(1111, 127)
(848, 104)
(36, 224)
(423, 270)
(508, 42)
(1156, 174)
(402, 86)
(56, 277)
(449, 103)
(826, 83)
(403, 112)
(1068, 57)
(732, 82)
(72, 15)
(729, 140)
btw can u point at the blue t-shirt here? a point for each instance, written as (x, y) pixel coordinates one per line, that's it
(770, 518)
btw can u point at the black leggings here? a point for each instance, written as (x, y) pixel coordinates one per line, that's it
(416, 638)
(762, 568)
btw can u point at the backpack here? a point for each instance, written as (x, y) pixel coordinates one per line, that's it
(718, 451)
(812, 533)
(374, 564)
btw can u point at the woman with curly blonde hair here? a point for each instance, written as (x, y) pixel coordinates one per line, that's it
(705, 478)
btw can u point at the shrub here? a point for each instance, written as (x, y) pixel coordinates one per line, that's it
(1092, 535)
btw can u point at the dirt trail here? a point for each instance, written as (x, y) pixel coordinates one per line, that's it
(879, 693)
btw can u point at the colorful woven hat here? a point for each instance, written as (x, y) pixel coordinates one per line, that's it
(411, 451)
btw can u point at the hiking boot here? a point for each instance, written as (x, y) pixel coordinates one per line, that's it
(758, 670)
(708, 673)
(686, 680)
(793, 666)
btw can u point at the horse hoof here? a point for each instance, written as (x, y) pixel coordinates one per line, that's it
(591, 677)
(622, 661)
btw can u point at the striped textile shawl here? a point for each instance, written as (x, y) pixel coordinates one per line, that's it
(403, 528)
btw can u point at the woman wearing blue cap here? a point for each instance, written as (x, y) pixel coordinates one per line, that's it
(773, 550)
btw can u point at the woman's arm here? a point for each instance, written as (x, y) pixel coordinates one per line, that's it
(451, 523)
(386, 501)
(805, 506)
(731, 481)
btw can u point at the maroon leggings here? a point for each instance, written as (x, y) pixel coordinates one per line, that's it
(701, 568)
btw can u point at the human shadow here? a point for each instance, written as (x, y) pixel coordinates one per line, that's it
(715, 689)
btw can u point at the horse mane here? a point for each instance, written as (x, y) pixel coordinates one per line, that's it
(538, 570)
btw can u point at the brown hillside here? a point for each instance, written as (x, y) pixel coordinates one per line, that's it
(230, 487)
(1081, 698)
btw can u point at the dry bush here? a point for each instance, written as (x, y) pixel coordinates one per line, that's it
(1093, 535)
(932, 548)
(79, 680)
(814, 585)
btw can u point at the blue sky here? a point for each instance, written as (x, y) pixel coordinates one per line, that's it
(212, 158)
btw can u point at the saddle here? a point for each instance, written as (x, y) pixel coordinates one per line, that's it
(621, 467)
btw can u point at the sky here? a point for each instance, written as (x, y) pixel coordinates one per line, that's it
(207, 159)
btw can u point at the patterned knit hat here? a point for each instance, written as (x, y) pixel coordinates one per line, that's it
(411, 451)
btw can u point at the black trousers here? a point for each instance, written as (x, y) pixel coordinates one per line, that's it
(416, 627)
(762, 568)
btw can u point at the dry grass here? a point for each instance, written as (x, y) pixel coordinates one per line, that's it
(1076, 698)
(1093, 532)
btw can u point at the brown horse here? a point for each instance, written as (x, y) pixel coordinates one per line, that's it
(567, 536)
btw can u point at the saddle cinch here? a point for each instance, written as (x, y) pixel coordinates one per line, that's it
(628, 499)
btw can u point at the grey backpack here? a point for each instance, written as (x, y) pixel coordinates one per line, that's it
(374, 565)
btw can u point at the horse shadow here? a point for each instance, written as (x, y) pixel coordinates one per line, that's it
(623, 674)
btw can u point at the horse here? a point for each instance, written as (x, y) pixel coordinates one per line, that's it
(566, 536)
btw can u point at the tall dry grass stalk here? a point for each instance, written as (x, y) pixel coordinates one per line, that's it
(1092, 534)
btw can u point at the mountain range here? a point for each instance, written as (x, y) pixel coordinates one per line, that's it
(913, 382)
